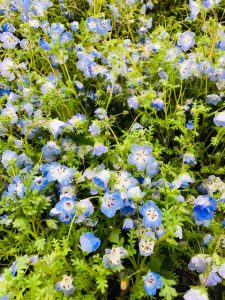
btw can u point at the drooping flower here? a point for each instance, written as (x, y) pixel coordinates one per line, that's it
(89, 242)
(199, 262)
(196, 293)
(194, 8)
(203, 210)
(219, 120)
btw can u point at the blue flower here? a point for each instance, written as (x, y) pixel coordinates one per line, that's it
(50, 151)
(189, 158)
(133, 102)
(204, 209)
(210, 3)
(152, 168)
(205, 67)
(152, 282)
(186, 40)
(207, 239)
(92, 23)
(158, 104)
(101, 179)
(212, 279)
(17, 187)
(9, 40)
(111, 202)
(44, 45)
(218, 74)
(213, 99)
(100, 149)
(140, 156)
(194, 8)
(94, 129)
(199, 263)
(219, 120)
(65, 285)
(57, 172)
(56, 127)
(182, 181)
(104, 26)
(152, 216)
(128, 207)
(128, 224)
(89, 242)
(84, 209)
(10, 112)
(7, 157)
(66, 204)
(74, 26)
(190, 125)
(8, 27)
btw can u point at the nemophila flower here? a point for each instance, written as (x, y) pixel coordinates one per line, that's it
(39, 183)
(190, 125)
(57, 172)
(221, 271)
(128, 207)
(112, 257)
(152, 216)
(99, 149)
(194, 9)
(111, 202)
(212, 279)
(221, 46)
(56, 127)
(8, 156)
(218, 74)
(74, 26)
(213, 99)
(9, 40)
(152, 168)
(10, 111)
(133, 102)
(203, 210)
(135, 193)
(17, 187)
(4, 90)
(84, 209)
(159, 231)
(140, 156)
(182, 181)
(158, 104)
(187, 68)
(196, 293)
(210, 3)
(186, 40)
(124, 181)
(7, 27)
(68, 145)
(66, 204)
(65, 285)
(50, 151)
(101, 113)
(219, 120)
(94, 129)
(104, 25)
(172, 53)
(77, 120)
(55, 31)
(152, 282)
(205, 67)
(92, 23)
(89, 242)
(189, 158)
(128, 224)
(44, 44)
(101, 179)
(146, 246)
(208, 238)
(199, 263)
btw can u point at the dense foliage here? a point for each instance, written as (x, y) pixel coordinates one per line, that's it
(112, 125)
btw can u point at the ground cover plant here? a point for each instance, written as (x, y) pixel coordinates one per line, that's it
(112, 125)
